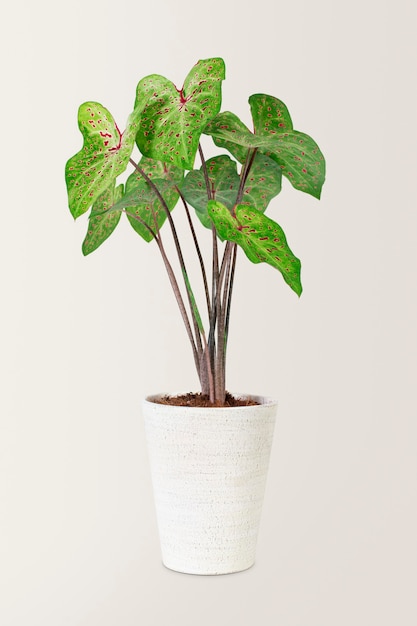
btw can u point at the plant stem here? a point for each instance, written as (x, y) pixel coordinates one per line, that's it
(224, 291)
(215, 276)
(200, 256)
(229, 296)
(250, 156)
(205, 172)
(173, 281)
(208, 369)
(180, 303)
(221, 322)
(141, 221)
(177, 246)
(214, 287)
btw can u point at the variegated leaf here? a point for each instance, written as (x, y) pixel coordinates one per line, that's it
(140, 200)
(173, 119)
(229, 132)
(102, 223)
(104, 155)
(263, 182)
(262, 239)
(224, 184)
(297, 154)
(269, 115)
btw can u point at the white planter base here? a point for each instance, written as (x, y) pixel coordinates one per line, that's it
(209, 468)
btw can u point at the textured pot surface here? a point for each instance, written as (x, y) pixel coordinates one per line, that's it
(209, 468)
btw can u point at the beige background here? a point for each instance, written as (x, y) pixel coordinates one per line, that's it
(84, 339)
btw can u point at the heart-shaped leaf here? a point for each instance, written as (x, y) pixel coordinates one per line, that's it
(102, 223)
(104, 155)
(262, 239)
(140, 200)
(297, 154)
(173, 119)
(224, 185)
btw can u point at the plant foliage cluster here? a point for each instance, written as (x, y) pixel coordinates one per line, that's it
(229, 193)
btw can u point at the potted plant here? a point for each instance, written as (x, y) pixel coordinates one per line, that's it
(209, 451)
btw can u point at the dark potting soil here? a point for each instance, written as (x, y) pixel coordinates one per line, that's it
(199, 400)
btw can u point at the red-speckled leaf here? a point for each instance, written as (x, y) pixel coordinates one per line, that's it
(263, 182)
(297, 154)
(269, 115)
(173, 119)
(141, 201)
(224, 184)
(102, 223)
(300, 159)
(104, 155)
(229, 132)
(262, 239)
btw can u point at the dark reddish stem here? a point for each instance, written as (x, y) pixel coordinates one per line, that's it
(177, 246)
(229, 295)
(197, 247)
(180, 302)
(173, 282)
(250, 156)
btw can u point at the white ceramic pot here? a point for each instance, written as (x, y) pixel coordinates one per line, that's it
(209, 468)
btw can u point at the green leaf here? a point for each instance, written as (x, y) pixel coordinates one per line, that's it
(224, 183)
(173, 119)
(300, 159)
(104, 155)
(229, 132)
(269, 115)
(297, 154)
(263, 182)
(141, 201)
(262, 239)
(102, 223)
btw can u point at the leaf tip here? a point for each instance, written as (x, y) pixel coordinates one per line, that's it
(297, 287)
(85, 250)
(318, 193)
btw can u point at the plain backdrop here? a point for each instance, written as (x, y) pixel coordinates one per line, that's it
(83, 340)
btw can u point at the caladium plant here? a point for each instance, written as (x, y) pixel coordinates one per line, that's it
(229, 192)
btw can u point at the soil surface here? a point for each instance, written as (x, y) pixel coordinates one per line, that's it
(198, 400)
